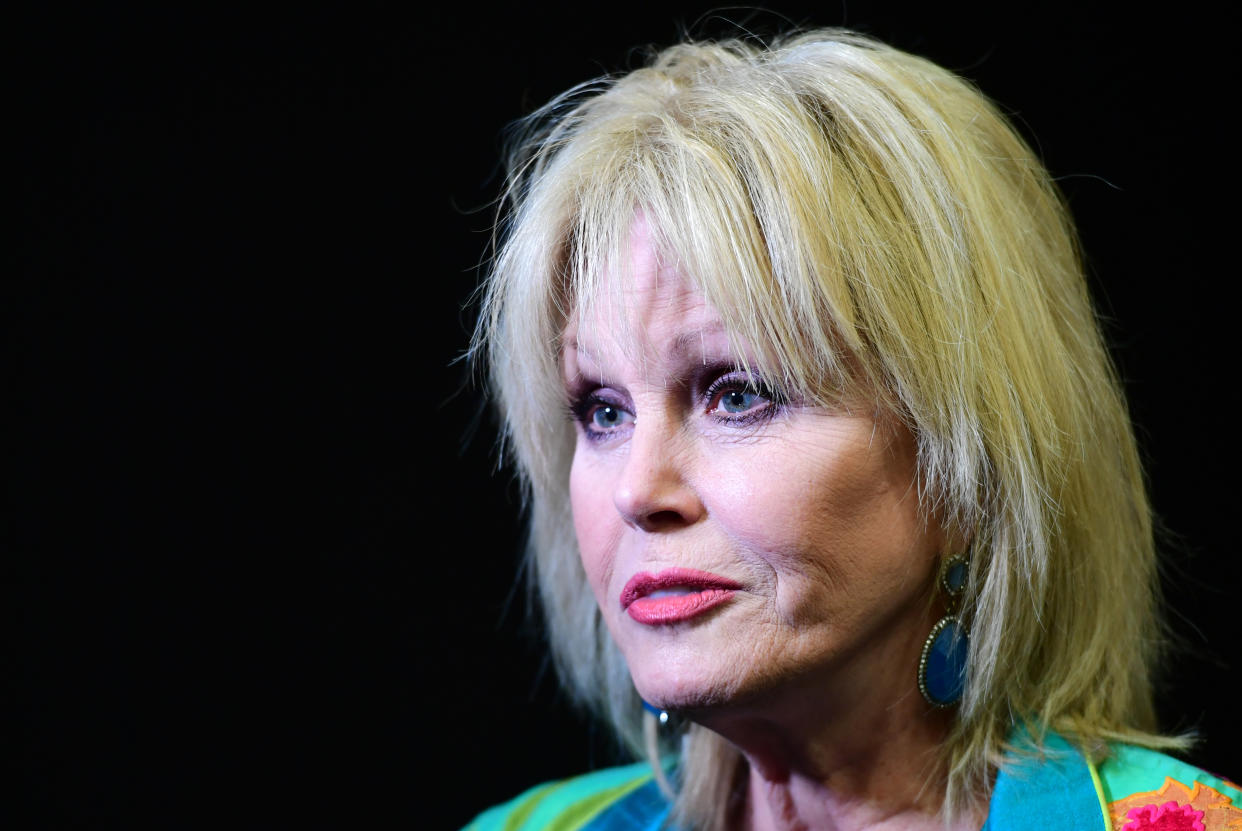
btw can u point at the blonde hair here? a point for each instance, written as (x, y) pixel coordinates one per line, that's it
(876, 226)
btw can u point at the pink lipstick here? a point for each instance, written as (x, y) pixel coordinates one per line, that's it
(674, 595)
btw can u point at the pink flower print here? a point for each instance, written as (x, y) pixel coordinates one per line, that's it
(1176, 807)
(1167, 817)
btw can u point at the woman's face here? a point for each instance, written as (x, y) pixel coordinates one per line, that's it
(737, 544)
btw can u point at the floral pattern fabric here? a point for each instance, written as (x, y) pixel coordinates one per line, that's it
(1176, 807)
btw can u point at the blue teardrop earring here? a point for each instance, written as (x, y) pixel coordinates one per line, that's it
(942, 666)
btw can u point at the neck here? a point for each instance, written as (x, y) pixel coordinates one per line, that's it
(891, 779)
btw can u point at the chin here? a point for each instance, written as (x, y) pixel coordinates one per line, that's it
(691, 686)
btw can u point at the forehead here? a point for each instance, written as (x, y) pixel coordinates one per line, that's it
(643, 304)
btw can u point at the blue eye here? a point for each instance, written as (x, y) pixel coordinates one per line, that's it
(609, 417)
(738, 401)
(599, 413)
(739, 398)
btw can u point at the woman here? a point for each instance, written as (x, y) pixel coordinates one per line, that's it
(825, 457)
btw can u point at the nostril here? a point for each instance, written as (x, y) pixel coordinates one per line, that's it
(663, 519)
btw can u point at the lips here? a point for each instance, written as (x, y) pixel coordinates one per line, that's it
(674, 595)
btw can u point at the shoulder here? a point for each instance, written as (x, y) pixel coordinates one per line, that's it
(620, 797)
(1050, 783)
(1142, 789)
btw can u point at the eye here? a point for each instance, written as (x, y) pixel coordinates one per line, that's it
(599, 416)
(739, 398)
(738, 401)
(603, 417)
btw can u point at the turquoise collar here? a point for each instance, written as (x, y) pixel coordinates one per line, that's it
(1044, 789)
(1049, 789)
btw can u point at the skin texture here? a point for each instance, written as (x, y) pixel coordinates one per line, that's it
(683, 461)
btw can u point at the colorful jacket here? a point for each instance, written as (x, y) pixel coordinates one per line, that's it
(1059, 790)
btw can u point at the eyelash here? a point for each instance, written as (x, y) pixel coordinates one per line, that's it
(740, 382)
(584, 405)
(582, 408)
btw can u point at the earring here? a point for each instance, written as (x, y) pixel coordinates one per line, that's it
(942, 666)
(653, 719)
(660, 715)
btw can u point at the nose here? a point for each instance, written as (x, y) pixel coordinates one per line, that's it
(655, 492)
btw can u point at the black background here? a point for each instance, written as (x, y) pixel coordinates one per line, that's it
(258, 571)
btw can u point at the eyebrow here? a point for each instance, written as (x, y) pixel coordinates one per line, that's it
(681, 343)
(686, 340)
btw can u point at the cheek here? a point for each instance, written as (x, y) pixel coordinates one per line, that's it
(595, 525)
(824, 514)
(786, 500)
